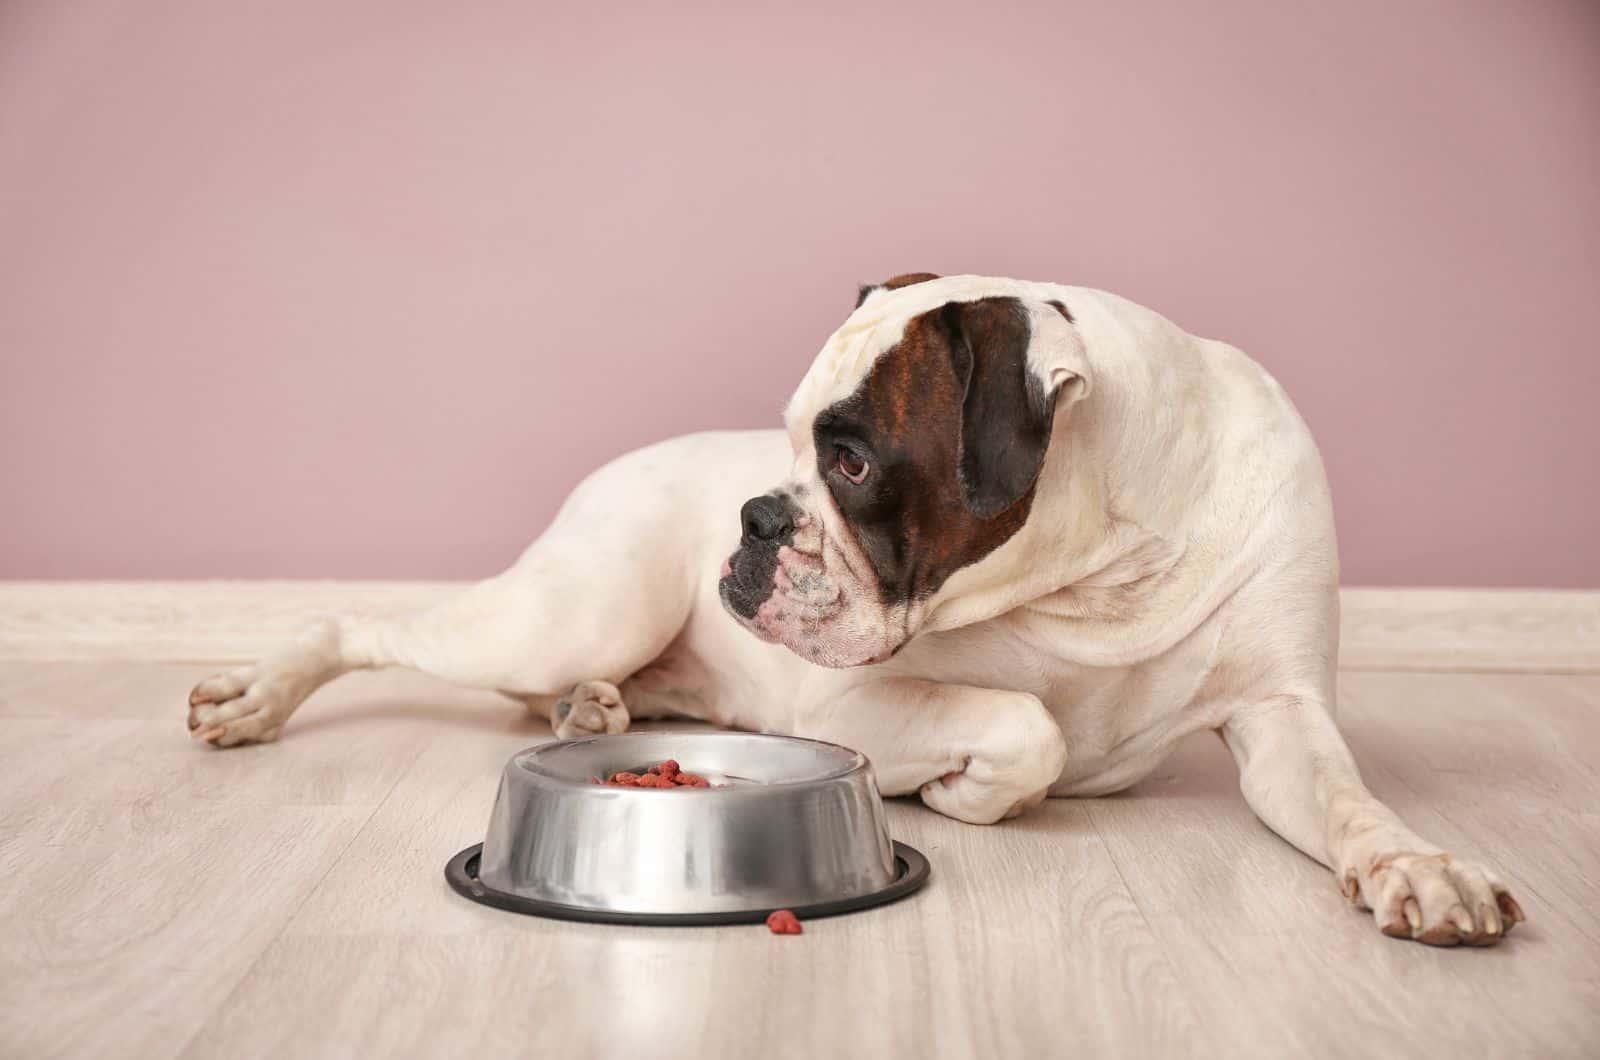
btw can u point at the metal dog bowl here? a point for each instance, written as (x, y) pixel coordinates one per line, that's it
(797, 824)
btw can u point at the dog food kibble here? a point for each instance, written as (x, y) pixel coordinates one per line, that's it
(665, 775)
(783, 922)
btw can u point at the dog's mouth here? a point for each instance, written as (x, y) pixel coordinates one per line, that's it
(802, 578)
(778, 587)
(787, 596)
(747, 580)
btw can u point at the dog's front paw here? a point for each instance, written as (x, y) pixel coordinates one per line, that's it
(1011, 771)
(977, 799)
(593, 708)
(1432, 898)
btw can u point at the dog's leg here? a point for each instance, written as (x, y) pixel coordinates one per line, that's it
(975, 754)
(1300, 779)
(563, 628)
(507, 634)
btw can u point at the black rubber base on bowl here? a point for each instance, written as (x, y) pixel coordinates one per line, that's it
(911, 872)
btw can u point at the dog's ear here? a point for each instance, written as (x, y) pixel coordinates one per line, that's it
(905, 279)
(1008, 397)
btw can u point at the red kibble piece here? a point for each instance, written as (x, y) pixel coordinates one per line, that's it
(784, 922)
(667, 768)
(690, 780)
(626, 779)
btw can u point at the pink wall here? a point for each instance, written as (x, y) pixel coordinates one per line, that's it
(361, 288)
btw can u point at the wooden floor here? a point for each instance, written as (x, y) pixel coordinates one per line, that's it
(158, 899)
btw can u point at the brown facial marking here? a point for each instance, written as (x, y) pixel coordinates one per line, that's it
(906, 279)
(913, 515)
(894, 283)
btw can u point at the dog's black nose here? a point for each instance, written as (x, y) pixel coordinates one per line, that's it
(766, 519)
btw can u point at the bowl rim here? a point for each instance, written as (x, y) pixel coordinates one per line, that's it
(461, 873)
(858, 762)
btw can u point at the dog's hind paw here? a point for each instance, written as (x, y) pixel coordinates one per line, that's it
(250, 704)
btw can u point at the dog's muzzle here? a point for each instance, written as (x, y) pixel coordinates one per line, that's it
(767, 524)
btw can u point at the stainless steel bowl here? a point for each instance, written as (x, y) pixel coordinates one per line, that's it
(797, 824)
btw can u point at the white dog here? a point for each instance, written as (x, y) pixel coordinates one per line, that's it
(1017, 540)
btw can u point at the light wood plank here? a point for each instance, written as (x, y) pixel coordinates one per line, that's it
(1287, 967)
(203, 621)
(1470, 630)
(1521, 792)
(497, 983)
(158, 899)
(1458, 630)
(141, 876)
(135, 883)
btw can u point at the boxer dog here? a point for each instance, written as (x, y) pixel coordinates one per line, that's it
(1015, 540)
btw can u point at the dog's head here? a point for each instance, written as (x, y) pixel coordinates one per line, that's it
(919, 435)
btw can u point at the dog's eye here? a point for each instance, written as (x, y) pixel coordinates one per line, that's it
(852, 465)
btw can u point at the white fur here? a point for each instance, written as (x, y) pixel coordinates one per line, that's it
(1177, 572)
